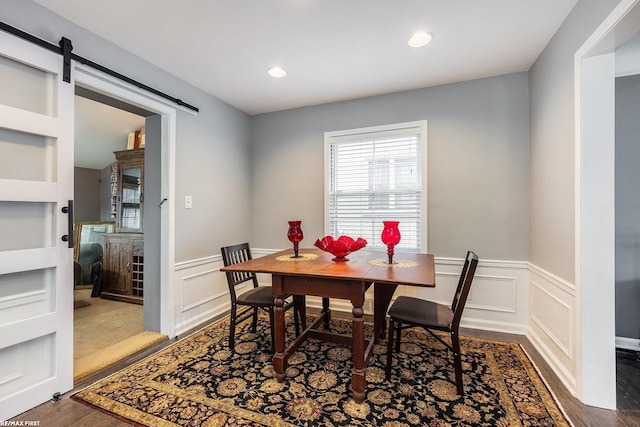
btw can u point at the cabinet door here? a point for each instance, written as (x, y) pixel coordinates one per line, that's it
(118, 265)
(130, 190)
(130, 214)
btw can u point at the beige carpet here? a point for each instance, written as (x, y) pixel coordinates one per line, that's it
(106, 332)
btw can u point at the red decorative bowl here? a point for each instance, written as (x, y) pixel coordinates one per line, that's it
(340, 247)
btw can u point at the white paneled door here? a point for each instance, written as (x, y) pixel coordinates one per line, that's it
(36, 265)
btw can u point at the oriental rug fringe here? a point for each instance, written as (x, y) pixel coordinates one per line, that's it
(198, 381)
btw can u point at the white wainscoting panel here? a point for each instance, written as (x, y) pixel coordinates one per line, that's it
(498, 297)
(202, 292)
(552, 323)
(497, 302)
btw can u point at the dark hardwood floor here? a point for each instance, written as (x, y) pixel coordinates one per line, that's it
(628, 380)
(69, 413)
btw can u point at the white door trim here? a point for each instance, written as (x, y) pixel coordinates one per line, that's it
(113, 87)
(594, 74)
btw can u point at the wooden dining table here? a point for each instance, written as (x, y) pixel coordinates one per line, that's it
(314, 273)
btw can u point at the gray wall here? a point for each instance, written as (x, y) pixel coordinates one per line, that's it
(86, 194)
(478, 148)
(471, 120)
(552, 122)
(151, 223)
(210, 148)
(627, 207)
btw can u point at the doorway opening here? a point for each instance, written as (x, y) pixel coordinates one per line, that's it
(157, 190)
(595, 72)
(109, 146)
(627, 230)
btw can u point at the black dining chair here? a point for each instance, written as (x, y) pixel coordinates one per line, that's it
(409, 312)
(258, 297)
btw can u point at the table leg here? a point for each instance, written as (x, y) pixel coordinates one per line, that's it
(326, 312)
(382, 294)
(300, 303)
(358, 378)
(279, 358)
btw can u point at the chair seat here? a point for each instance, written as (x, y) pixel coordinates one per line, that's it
(262, 295)
(418, 311)
(431, 315)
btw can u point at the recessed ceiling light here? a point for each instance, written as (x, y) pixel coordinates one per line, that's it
(420, 39)
(276, 72)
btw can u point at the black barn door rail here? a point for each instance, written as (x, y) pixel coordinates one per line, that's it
(65, 49)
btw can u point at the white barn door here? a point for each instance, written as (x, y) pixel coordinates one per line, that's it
(36, 265)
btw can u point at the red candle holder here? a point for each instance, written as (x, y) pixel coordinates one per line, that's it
(390, 237)
(295, 236)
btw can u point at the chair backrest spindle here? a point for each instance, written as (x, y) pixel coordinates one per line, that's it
(233, 255)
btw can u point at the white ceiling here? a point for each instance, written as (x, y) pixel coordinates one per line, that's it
(332, 49)
(99, 131)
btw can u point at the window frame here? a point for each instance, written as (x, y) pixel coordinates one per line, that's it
(414, 127)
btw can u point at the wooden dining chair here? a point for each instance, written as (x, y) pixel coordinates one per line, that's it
(409, 312)
(258, 297)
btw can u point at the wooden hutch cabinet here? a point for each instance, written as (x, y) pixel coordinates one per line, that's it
(124, 249)
(124, 267)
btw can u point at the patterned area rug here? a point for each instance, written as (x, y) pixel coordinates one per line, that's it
(199, 382)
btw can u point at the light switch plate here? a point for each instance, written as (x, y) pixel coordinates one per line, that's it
(188, 202)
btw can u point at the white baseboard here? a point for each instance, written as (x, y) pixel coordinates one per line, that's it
(563, 373)
(199, 319)
(628, 343)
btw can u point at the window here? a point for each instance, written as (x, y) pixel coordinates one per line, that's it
(376, 174)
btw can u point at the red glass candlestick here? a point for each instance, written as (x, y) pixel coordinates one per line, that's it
(390, 237)
(295, 236)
